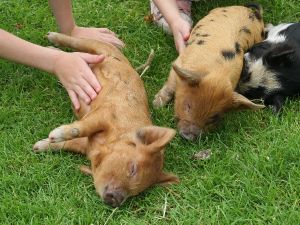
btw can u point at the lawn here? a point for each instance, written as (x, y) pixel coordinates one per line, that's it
(252, 176)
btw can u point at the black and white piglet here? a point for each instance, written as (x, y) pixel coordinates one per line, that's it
(272, 67)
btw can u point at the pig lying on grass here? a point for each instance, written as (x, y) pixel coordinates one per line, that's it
(205, 74)
(115, 131)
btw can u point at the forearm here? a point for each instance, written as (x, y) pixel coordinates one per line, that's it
(62, 10)
(169, 10)
(21, 51)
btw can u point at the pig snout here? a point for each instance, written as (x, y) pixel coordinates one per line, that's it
(189, 130)
(113, 198)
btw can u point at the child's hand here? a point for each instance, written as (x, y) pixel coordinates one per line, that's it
(181, 31)
(102, 34)
(74, 73)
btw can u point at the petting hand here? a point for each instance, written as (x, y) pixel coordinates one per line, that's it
(181, 31)
(74, 73)
(102, 34)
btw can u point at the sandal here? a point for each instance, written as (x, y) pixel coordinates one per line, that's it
(184, 7)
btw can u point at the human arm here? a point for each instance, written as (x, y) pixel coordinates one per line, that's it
(71, 68)
(179, 26)
(62, 10)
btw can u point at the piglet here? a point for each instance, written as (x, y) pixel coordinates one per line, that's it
(272, 67)
(115, 131)
(204, 76)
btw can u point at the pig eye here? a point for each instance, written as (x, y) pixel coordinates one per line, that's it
(214, 119)
(132, 169)
(132, 144)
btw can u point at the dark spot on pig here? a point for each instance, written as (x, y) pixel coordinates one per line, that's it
(245, 30)
(198, 26)
(257, 15)
(204, 35)
(200, 42)
(237, 48)
(212, 20)
(228, 54)
(224, 10)
(251, 16)
(197, 34)
(225, 15)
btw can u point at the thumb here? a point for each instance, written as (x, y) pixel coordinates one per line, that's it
(91, 59)
(185, 34)
(180, 44)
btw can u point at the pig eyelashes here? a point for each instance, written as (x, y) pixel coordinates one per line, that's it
(132, 144)
(214, 119)
(132, 169)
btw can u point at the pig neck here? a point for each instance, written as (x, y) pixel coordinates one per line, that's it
(222, 78)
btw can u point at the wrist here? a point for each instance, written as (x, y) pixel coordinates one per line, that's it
(56, 60)
(68, 28)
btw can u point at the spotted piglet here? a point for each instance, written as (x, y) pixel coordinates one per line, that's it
(272, 67)
(205, 74)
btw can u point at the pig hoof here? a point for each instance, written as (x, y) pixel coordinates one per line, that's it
(57, 135)
(41, 146)
(75, 132)
(158, 101)
(52, 37)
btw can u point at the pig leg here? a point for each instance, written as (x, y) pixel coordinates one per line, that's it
(78, 145)
(167, 92)
(84, 127)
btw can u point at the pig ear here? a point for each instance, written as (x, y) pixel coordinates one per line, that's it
(96, 158)
(167, 179)
(239, 101)
(155, 138)
(191, 77)
(282, 55)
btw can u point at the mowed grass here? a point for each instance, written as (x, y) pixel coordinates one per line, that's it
(252, 176)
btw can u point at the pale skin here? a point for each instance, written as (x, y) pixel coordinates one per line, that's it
(180, 28)
(72, 69)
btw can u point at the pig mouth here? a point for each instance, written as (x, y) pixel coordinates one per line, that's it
(188, 130)
(114, 199)
(113, 196)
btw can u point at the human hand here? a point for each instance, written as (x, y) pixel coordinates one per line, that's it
(181, 31)
(102, 34)
(73, 71)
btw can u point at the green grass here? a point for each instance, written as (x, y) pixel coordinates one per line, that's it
(252, 176)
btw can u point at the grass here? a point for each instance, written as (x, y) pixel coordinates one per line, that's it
(251, 178)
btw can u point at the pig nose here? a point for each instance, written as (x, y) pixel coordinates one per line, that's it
(113, 199)
(190, 132)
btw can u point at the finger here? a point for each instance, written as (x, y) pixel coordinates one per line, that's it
(106, 30)
(88, 89)
(179, 42)
(113, 40)
(91, 59)
(90, 80)
(93, 82)
(74, 99)
(79, 91)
